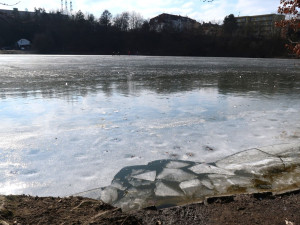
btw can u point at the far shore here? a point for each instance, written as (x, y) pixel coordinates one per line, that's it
(28, 52)
(17, 52)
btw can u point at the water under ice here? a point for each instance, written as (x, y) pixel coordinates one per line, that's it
(58, 139)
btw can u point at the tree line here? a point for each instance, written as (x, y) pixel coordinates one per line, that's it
(129, 32)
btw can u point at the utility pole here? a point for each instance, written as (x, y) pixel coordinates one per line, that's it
(66, 5)
(62, 6)
(71, 7)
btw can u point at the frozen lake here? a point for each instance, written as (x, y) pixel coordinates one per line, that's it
(70, 123)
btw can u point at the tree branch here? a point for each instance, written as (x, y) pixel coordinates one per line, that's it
(9, 4)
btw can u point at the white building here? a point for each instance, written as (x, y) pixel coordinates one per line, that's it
(23, 44)
(179, 23)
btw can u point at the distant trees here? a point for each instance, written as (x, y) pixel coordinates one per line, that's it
(128, 21)
(135, 21)
(83, 34)
(121, 21)
(291, 9)
(79, 16)
(91, 18)
(105, 18)
(43, 42)
(230, 24)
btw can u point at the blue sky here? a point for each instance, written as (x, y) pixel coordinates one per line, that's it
(196, 9)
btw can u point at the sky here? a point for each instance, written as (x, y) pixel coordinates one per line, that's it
(196, 9)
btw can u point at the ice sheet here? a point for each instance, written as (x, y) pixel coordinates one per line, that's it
(58, 139)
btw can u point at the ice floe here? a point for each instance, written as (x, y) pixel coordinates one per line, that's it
(205, 168)
(146, 176)
(173, 181)
(165, 190)
(177, 165)
(175, 175)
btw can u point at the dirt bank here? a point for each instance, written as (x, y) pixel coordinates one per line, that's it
(240, 209)
(17, 52)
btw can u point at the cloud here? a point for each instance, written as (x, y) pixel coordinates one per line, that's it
(196, 9)
(256, 7)
(215, 11)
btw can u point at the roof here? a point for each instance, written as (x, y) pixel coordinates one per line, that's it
(23, 42)
(264, 15)
(164, 17)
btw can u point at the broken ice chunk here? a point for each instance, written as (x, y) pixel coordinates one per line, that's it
(118, 184)
(150, 176)
(137, 182)
(190, 183)
(95, 194)
(252, 161)
(207, 184)
(223, 183)
(134, 199)
(205, 168)
(289, 153)
(175, 175)
(195, 188)
(164, 190)
(137, 171)
(176, 165)
(220, 182)
(109, 195)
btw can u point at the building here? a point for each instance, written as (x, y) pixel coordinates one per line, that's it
(14, 12)
(169, 21)
(23, 44)
(262, 25)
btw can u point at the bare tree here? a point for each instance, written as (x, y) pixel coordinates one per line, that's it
(105, 19)
(121, 21)
(135, 20)
(1, 3)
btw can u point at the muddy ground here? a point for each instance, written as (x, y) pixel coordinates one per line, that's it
(240, 209)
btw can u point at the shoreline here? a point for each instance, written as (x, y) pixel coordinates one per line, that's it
(247, 209)
(165, 183)
(25, 52)
(272, 202)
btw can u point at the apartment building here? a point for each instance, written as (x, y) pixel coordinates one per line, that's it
(262, 25)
